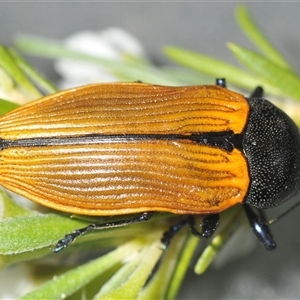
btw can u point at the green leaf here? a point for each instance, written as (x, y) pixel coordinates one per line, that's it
(258, 38)
(120, 276)
(130, 288)
(9, 64)
(28, 233)
(67, 284)
(130, 70)
(285, 80)
(159, 285)
(182, 266)
(10, 208)
(42, 81)
(187, 76)
(216, 68)
(6, 106)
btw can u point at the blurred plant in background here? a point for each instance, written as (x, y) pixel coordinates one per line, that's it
(126, 262)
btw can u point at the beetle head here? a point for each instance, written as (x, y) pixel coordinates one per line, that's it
(271, 144)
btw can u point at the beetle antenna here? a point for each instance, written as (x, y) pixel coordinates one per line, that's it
(272, 221)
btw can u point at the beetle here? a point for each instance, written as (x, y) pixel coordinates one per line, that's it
(133, 148)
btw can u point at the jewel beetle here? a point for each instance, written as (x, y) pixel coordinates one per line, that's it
(133, 148)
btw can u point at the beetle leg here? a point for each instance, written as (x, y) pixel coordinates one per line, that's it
(168, 235)
(209, 224)
(69, 238)
(221, 82)
(260, 228)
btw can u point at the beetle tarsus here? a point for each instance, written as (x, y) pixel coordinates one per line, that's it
(145, 216)
(63, 243)
(70, 238)
(168, 235)
(209, 224)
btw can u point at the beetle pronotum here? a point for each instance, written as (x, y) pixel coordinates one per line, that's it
(125, 148)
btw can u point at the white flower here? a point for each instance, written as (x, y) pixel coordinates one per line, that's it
(113, 44)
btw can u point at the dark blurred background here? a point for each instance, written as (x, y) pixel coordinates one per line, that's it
(204, 27)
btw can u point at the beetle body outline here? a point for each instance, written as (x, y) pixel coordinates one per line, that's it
(123, 148)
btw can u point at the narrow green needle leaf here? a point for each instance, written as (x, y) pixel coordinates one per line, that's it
(9, 64)
(182, 266)
(130, 70)
(218, 242)
(285, 80)
(131, 287)
(258, 38)
(70, 282)
(6, 106)
(165, 278)
(119, 277)
(216, 68)
(42, 81)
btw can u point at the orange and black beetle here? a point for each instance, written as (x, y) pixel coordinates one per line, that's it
(125, 148)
